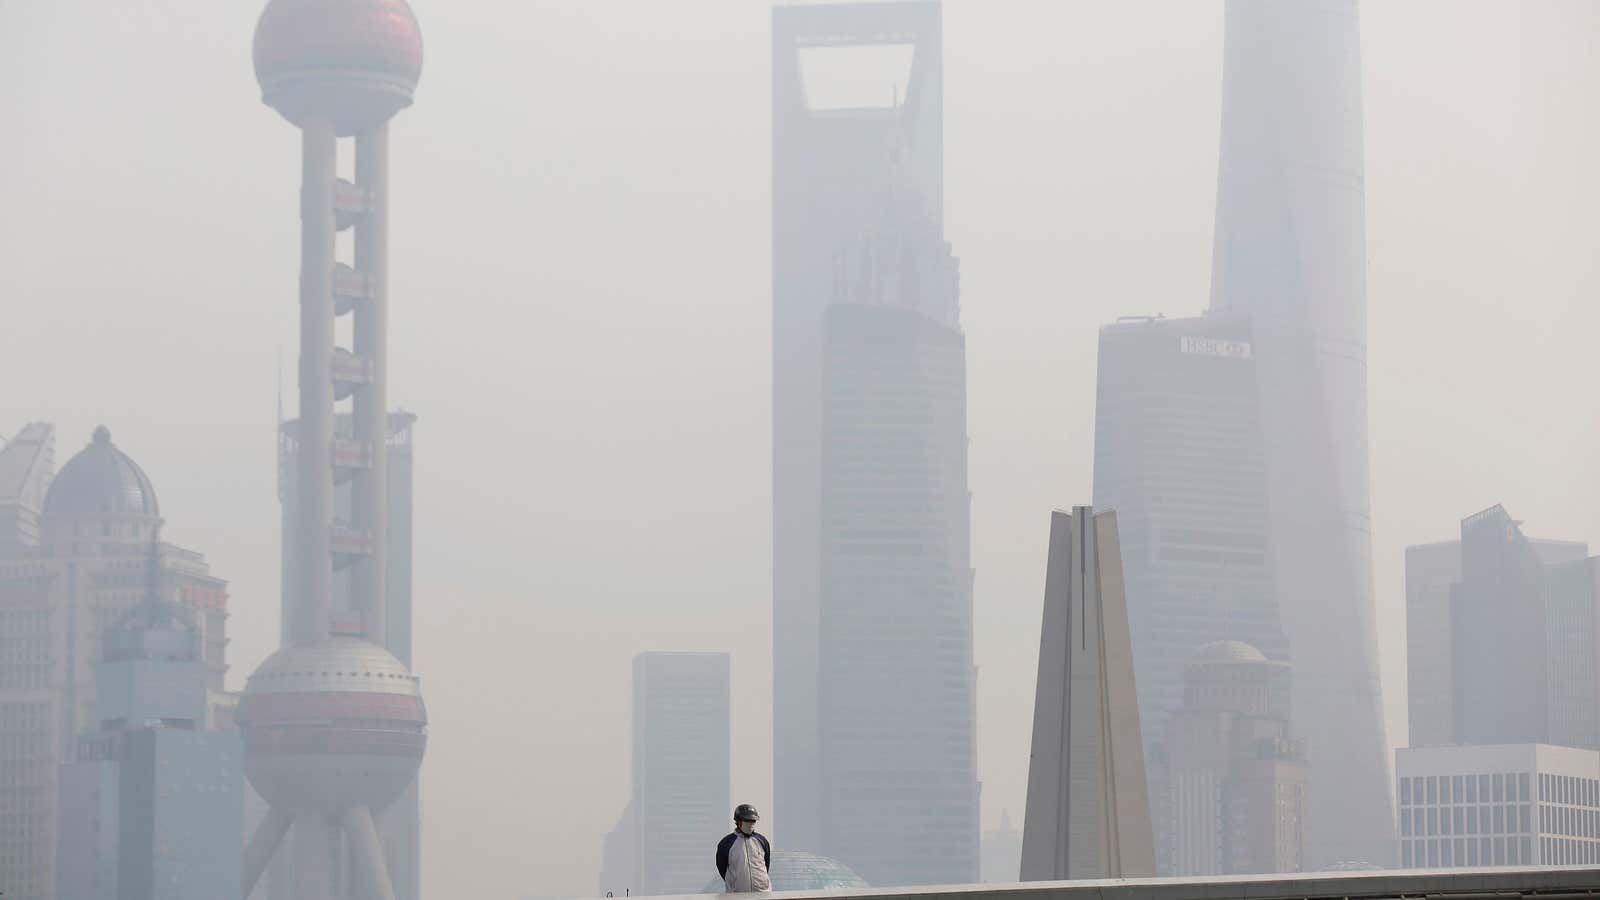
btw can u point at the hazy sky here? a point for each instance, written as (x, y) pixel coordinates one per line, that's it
(582, 310)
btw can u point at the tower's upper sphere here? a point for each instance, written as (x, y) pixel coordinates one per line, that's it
(330, 725)
(356, 62)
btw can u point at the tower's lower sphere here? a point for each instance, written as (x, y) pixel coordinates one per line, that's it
(330, 725)
(354, 62)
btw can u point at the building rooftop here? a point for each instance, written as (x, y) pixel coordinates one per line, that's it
(1227, 651)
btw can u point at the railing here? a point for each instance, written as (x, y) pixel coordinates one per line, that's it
(1434, 884)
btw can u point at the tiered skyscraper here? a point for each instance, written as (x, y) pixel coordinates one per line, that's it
(872, 593)
(333, 723)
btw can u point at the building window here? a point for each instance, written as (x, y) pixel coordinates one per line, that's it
(1526, 817)
(1457, 790)
(1458, 815)
(1522, 786)
(1433, 789)
(1499, 820)
(1405, 849)
(1499, 787)
(1472, 789)
(1405, 792)
(1433, 820)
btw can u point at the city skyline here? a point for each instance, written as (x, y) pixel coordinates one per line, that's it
(717, 569)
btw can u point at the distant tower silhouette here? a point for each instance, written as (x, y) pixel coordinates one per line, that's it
(334, 724)
(1291, 253)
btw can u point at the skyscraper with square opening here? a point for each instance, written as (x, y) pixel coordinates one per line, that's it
(872, 580)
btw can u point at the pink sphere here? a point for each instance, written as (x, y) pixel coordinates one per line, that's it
(355, 62)
(331, 725)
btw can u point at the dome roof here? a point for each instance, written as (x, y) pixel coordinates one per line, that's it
(799, 870)
(1227, 652)
(357, 61)
(337, 665)
(101, 480)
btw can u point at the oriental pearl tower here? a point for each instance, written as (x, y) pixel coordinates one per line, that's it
(333, 724)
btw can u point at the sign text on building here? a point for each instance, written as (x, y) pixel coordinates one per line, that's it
(1215, 347)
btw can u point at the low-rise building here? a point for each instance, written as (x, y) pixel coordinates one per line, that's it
(1498, 805)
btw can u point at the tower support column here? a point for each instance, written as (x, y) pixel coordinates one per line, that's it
(370, 488)
(362, 832)
(318, 228)
(269, 834)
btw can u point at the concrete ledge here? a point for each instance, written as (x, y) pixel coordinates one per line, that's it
(1420, 884)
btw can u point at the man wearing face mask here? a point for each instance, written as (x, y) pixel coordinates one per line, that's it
(744, 856)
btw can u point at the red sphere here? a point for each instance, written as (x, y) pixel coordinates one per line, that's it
(356, 62)
(331, 725)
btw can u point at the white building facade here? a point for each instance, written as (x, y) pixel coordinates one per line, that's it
(1498, 805)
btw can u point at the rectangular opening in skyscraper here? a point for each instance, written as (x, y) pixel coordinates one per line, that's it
(855, 76)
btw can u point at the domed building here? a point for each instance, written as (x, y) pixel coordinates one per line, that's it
(100, 493)
(100, 522)
(799, 870)
(1232, 783)
(81, 551)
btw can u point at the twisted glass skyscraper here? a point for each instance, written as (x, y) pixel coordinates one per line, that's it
(1291, 252)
